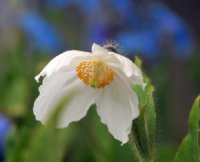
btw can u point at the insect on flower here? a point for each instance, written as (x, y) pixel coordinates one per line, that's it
(102, 77)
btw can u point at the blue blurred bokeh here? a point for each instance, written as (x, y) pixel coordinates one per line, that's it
(5, 126)
(43, 34)
(143, 28)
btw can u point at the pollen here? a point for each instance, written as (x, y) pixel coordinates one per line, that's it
(95, 73)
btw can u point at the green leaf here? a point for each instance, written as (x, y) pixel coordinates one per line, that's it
(189, 150)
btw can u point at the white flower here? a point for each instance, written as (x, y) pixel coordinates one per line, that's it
(101, 77)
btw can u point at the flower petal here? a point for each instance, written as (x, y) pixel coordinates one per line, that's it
(54, 89)
(61, 62)
(126, 66)
(117, 106)
(98, 50)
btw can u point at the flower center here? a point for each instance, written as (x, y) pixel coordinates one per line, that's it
(95, 73)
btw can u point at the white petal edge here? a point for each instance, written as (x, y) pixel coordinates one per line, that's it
(61, 63)
(117, 106)
(98, 50)
(57, 87)
(126, 66)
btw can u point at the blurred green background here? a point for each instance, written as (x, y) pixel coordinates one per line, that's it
(164, 35)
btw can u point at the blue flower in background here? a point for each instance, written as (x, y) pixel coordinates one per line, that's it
(41, 33)
(165, 17)
(5, 125)
(169, 24)
(145, 28)
(122, 6)
(58, 3)
(147, 34)
(87, 6)
(142, 42)
(183, 44)
(129, 12)
(97, 33)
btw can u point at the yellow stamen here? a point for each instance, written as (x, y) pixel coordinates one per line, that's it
(95, 73)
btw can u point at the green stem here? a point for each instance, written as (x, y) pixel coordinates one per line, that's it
(135, 150)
